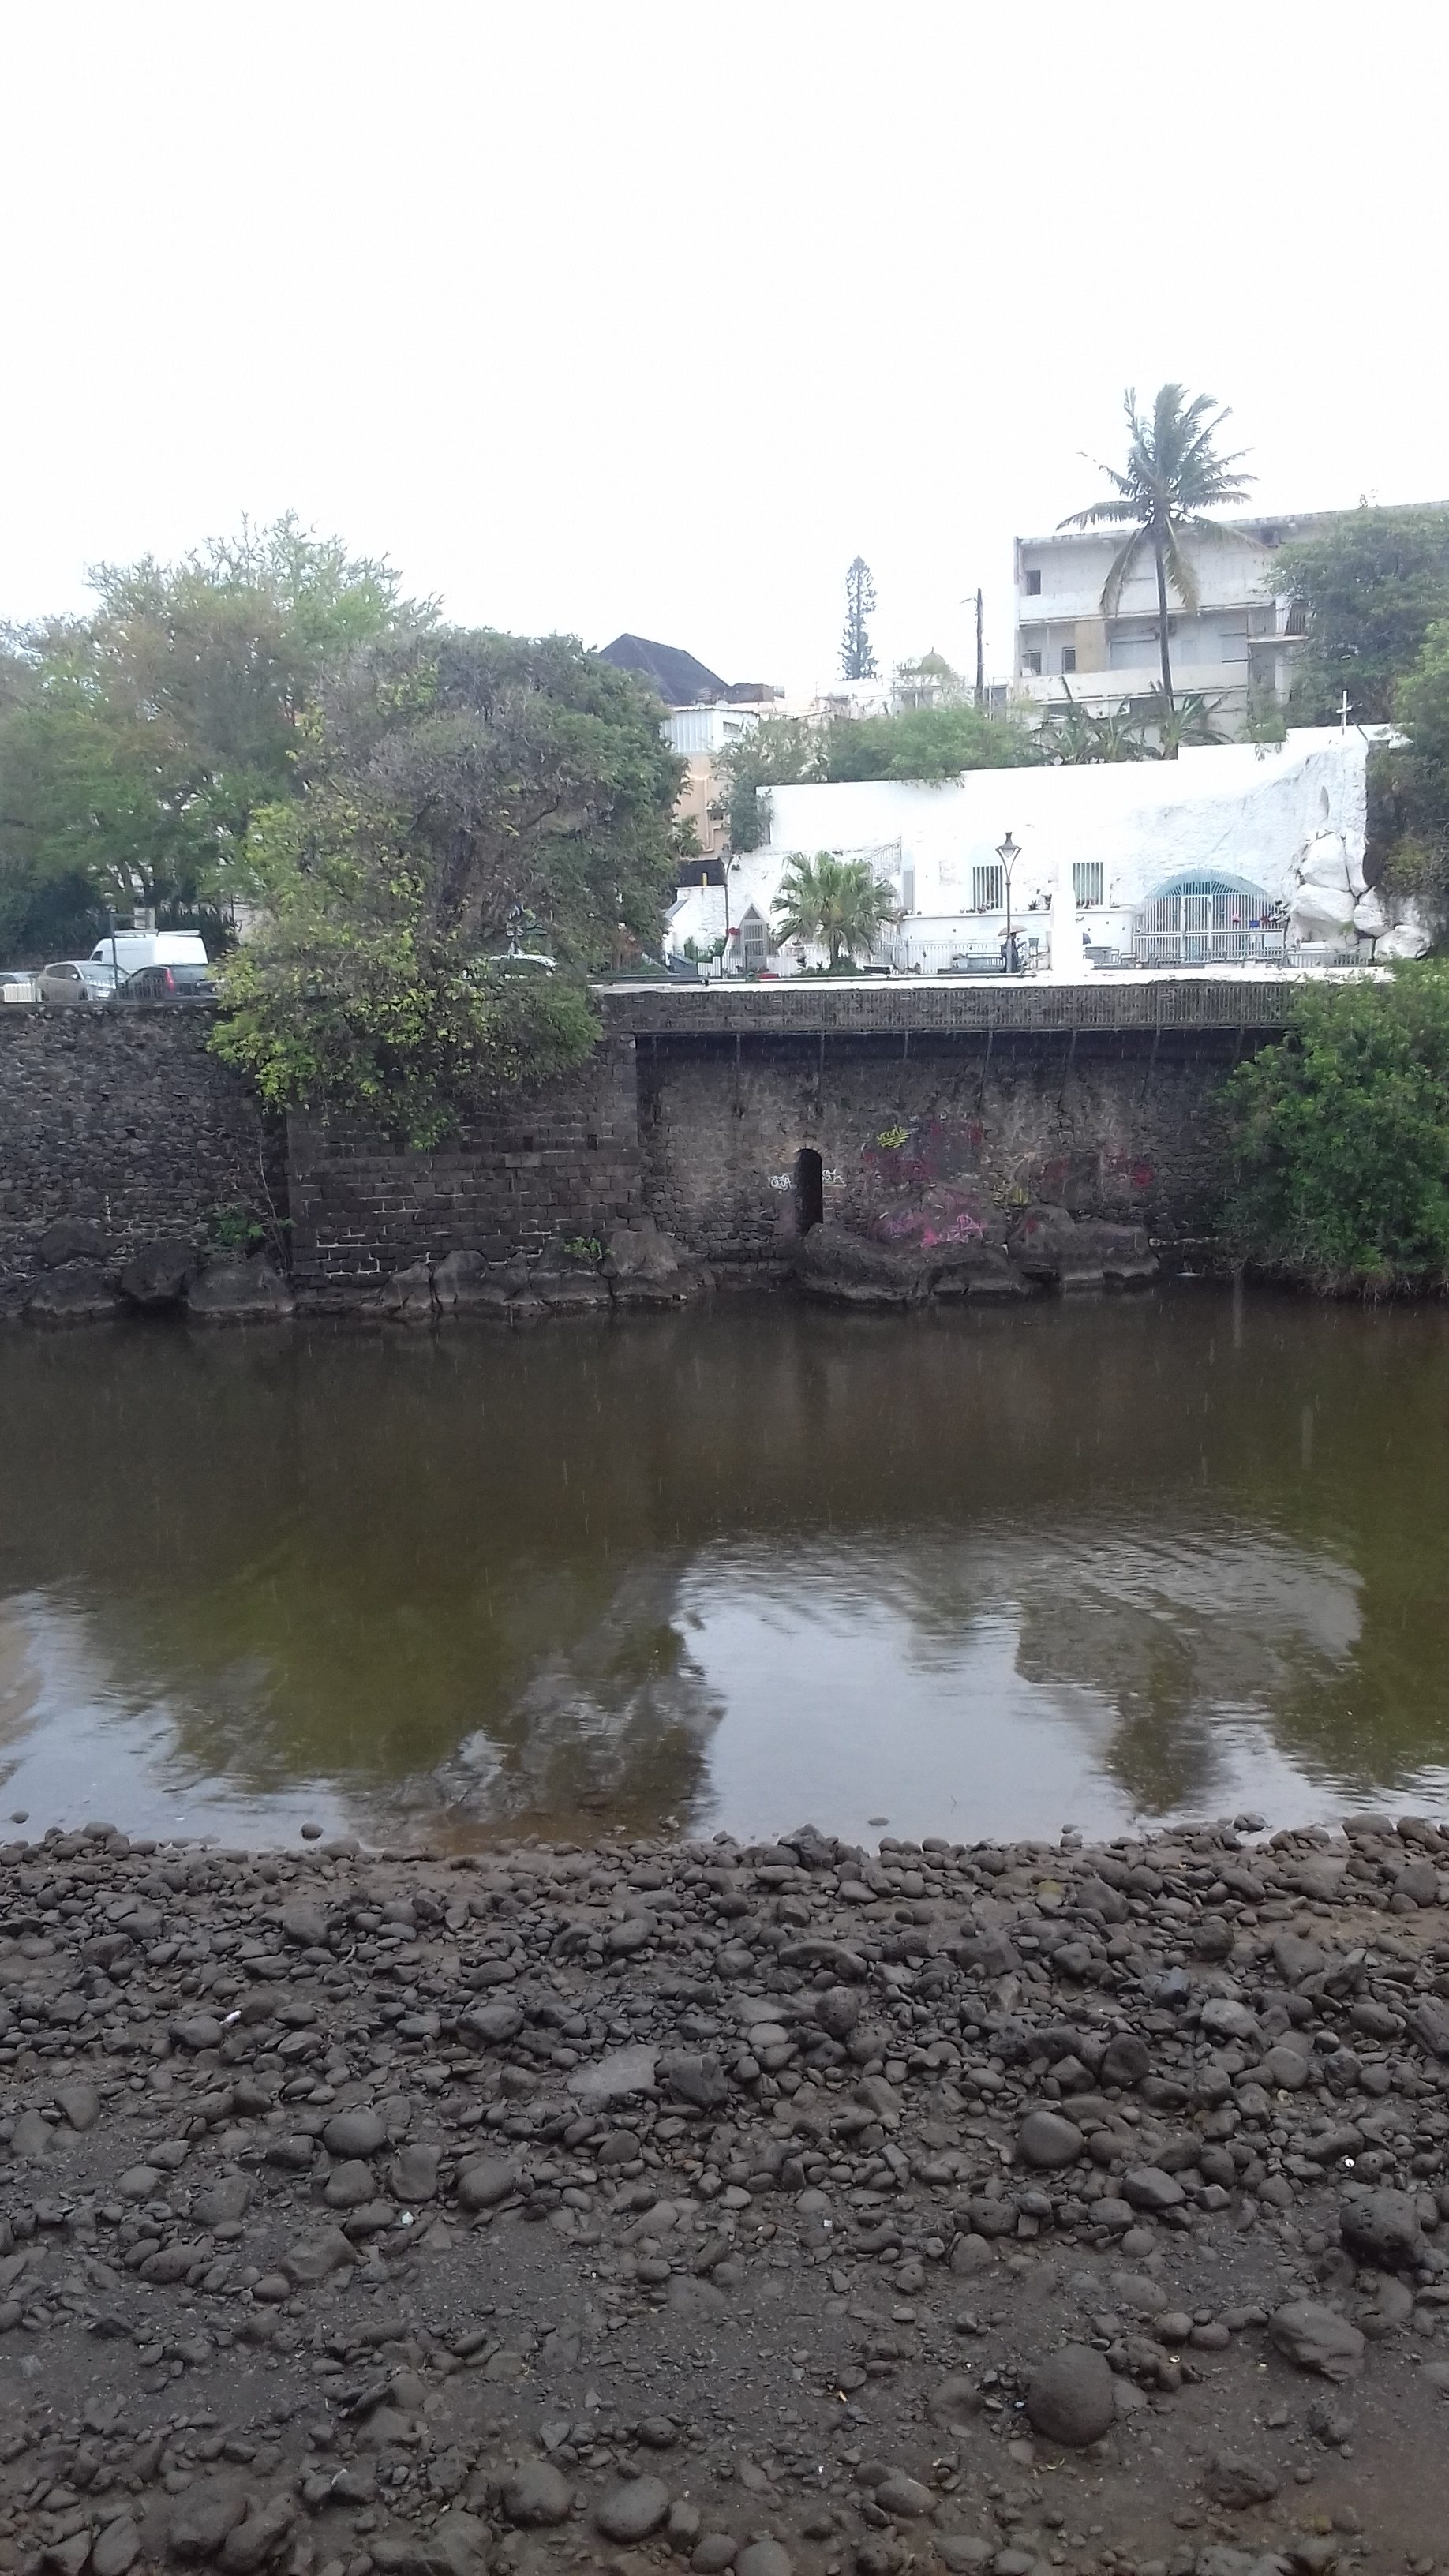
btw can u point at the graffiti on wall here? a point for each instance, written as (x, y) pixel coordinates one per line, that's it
(922, 1184)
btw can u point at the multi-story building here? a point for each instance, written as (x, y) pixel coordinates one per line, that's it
(704, 715)
(1236, 648)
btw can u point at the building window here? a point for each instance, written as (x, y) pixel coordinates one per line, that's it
(1069, 657)
(1031, 664)
(1031, 584)
(1087, 880)
(988, 888)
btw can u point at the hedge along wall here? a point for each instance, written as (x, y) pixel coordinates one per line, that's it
(121, 1120)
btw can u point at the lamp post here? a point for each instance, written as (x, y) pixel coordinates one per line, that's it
(1008, 853)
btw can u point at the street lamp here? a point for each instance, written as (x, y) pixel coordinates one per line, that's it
(1008, 853)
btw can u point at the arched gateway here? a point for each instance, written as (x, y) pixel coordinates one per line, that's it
(1206, 919)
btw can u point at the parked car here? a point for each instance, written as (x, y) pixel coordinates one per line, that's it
(19, 984)
(78, 981)
(168, 984)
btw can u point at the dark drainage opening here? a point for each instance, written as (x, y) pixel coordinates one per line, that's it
(809, 1189)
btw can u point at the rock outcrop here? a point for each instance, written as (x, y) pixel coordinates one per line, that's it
(646, 1268)
(1047, 1247)
(78, 1292)
(254, 1291)
(156, 1276)
(1056, 1249)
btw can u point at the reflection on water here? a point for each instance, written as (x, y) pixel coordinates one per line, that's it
(729, 1569)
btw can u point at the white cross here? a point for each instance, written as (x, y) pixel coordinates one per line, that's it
(1343, 713)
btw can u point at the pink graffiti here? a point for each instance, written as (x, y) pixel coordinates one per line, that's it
(929, 1227)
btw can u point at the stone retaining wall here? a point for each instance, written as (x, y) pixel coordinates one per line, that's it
(125, 1122)
(923, 1138)
(122, 1121)
(564, 1161)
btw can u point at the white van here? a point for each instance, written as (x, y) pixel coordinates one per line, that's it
(132, 949)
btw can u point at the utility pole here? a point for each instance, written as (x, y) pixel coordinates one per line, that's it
(980, 607)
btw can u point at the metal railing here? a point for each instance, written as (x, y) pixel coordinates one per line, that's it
(958, 955)
(1207, 947)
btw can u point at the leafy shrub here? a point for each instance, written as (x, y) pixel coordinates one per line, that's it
(1341, 1138)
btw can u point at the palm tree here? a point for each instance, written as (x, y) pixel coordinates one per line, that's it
(840, 902)
(1174, 475)
(1090, 734)
(1183, 720)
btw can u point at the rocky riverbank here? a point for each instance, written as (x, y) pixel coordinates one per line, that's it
(700, 2207)
(1039, 1249)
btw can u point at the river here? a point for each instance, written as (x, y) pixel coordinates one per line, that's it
(968, 1574)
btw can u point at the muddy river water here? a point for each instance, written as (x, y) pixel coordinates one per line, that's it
(1177, 1554)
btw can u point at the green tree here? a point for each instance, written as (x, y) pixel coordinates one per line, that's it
(1368, 588)
(925, 743)
(137, 743)
(779, 751)
(857, 659)
(1341, 1135)
(1421, 704)
(1174, 476)
(929, 681)
(460, 794)
(1408, 787)
(840, 902)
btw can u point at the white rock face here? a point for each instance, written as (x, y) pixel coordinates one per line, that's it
(1369, 917)
(1327, 887)
(1408, 938)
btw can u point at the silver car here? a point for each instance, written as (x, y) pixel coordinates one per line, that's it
(77, 981)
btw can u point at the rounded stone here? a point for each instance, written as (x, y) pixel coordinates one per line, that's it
(1288, 2067)
(1318, 2340)
(536, 2493)
(1070, 2398)
(1046, 2141)
(413, 2173)
(1126, 2060)
(630, 2512)
(837, 2011)
(904, 2497)
(354, 2133)
(483, 2184)
(764, 2558)
(1148, 2187)
(1382, 2227)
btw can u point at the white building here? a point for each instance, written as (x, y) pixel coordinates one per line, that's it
(1244, 854)
(1237, 649)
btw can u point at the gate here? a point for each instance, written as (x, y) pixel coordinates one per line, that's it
(1207, 921)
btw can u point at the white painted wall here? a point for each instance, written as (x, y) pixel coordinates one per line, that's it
(1242, 810)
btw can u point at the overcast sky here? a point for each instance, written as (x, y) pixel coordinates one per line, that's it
(597, 314)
